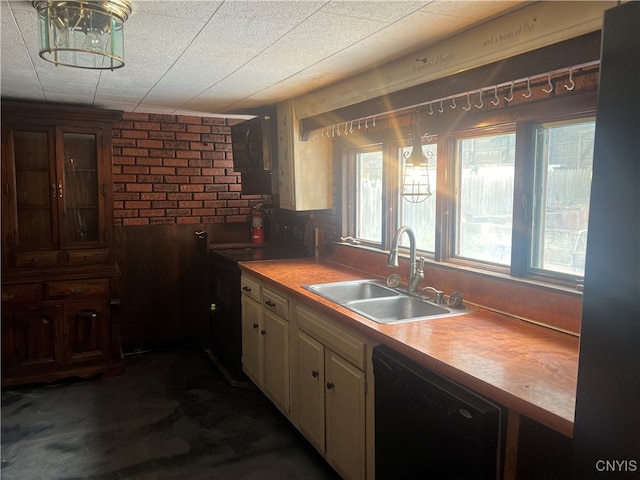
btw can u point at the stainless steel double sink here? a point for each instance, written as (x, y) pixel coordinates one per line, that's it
(380, 303)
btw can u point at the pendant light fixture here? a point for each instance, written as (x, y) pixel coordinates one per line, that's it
(415, 184)
(83, 34)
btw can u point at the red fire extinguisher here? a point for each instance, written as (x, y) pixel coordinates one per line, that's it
(257, 224)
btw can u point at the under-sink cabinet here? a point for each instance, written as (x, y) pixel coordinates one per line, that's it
(265, 340)
(329, 391)
(315, 370)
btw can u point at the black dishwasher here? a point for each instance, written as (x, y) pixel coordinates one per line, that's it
(428, 427)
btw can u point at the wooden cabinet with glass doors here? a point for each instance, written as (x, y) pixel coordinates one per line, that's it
(60, 284)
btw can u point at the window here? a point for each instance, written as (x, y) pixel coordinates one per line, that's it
(421, 217)
(563, 158)
(506, 197)
(368, 215)
(484, 197)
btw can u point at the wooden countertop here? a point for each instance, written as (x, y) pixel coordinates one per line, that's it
(529, 369)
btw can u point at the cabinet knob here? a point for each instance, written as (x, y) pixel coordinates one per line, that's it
(269, 303)
(255, 325)
(263, 332)
(315, 373)
(246, 289)
(45, 321)
(330, 385)
(77, 290)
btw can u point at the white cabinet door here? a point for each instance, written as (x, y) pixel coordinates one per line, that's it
(304, 166)
(251, 339)
(345, 416)
(310, 389)
(275, 367)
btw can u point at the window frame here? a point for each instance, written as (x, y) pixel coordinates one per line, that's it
(523, 120)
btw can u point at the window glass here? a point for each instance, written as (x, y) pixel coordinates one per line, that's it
(369, 196)
(564, 157)
(486, 167)
(421, 217)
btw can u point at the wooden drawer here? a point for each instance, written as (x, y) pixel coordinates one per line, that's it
(87, 257)
(250, 287)
(276, 303)
(333, 336)
(38, 259)
(79, 289)
(16, 294)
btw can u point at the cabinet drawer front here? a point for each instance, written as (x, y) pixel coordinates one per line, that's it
(250, 287)
(337, 338)
(275, 303)
(79, 289)
(87, 257)
(37, 259)
(31, 293)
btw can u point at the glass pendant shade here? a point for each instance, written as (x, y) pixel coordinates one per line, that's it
(415, 183)
(83, 34)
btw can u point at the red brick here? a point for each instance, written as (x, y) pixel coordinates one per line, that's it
(188, 171)
(227, 211)
(213, 137)
(135, 169)
(214, 155)
(125, 213)
(146, 125)
(175, 162)
(191, 188)
(236, 219)
(162, 153)
(136, 204)
(153, 196)
(215, 203)
(150, 178)
(162, 171)
(162, 117)
(194, 137)
(176, 179)
(162, 135)
(166, 188)
(135, 134)
(225, 179)
(120, 160)
(124, 142)
(126, 196)
(216, 188)
(188, 154)
(149, 161)
(201, 146)
(135, 187)
(135, 116)
(198, 129)
(189, 204)
(212, 172)
(173, 127)
(178, 212)
(124, 178)
(201, 179)
(176, 145)
(238, 203)
(204, 211)
(189, 119)
(165, 204)
(205, 196)
(152, 213)
(200, 163)
(213, 219)
(179, 196)
(150, 143)
(135, 152)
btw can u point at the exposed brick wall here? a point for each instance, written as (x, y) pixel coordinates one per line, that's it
(176, 169)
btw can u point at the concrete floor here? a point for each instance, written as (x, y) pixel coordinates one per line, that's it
(172, 416)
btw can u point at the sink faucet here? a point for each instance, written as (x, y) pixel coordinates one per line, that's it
(415, 272)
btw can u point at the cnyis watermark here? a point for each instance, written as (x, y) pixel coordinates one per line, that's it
(616, 465)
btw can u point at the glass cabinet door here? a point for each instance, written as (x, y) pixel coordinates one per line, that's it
(36, 191)
(80, 196)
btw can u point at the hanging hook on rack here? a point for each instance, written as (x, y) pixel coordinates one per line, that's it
(481, 102)
(468, 107)
(510, 97)
(453, 103)
(333, 131)
(345, 129)
(441, 109)
(366, 122)
(351, 127)
(495, 100)
(528, 94)
(571, 82)
(359, 123)
(430, 109)
(374, 122)
(550, 89)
